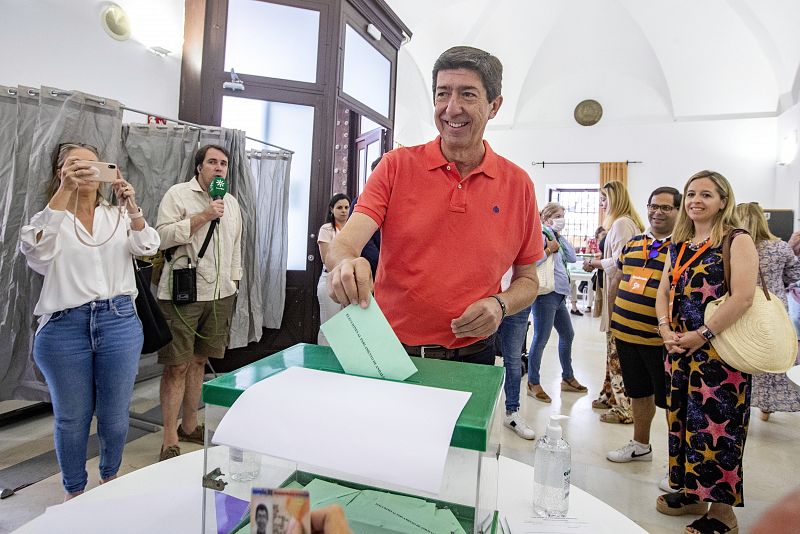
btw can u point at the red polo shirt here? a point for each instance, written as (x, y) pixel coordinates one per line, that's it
(446, 240)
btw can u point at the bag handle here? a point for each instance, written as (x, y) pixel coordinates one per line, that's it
(726, 262)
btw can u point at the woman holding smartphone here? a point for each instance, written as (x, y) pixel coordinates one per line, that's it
(89, 337)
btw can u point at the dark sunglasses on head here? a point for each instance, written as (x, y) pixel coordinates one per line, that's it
(664, 208)
(654, 248)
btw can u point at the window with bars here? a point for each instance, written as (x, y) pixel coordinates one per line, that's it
(582, 207)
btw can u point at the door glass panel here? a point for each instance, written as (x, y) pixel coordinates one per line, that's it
(290, 126)
(272, 40)
(373, 151)
(367, 125)
(362, 169)
(367, 73)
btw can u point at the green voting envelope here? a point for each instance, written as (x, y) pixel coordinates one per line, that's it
(366, 345)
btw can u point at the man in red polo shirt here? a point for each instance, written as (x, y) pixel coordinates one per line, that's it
(454, 216)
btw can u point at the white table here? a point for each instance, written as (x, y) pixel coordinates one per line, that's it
(165, 497)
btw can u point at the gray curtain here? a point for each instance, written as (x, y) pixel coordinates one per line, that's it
(154, 158)
(271, 172)
(55, 119)
(246, 321)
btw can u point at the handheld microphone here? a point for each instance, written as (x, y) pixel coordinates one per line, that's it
(217, 188)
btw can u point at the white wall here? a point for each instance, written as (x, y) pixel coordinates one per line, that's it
(787, 179)
(62, 44)
(742, 150)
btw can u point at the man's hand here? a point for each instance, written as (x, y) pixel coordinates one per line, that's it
(215, 210)
(350, 282)
(480, 319)
(329, 520)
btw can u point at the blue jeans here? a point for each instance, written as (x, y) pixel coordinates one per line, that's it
(510, 340)
(89, 356)
(548, 311)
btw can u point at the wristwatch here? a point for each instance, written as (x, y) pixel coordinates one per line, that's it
(706, 332)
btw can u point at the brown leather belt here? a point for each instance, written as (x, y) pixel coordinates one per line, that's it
(438, 352)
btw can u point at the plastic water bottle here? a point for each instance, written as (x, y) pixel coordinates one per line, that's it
(551, 470)
(244, 465)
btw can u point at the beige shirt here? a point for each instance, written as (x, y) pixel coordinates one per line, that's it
(221, 265)
(621, 231)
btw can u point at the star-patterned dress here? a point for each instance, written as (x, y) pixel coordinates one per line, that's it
(708, 402)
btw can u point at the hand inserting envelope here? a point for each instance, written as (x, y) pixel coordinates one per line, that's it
(366, 345)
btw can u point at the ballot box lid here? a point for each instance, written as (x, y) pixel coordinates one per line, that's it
(473, 425)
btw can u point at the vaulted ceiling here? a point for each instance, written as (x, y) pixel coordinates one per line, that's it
(643, 60)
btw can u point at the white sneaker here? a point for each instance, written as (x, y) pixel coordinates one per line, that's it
(632, 452)
(664, 485)
(516, 423)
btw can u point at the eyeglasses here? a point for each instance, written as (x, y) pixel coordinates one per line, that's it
(664, 208)
(654, 248)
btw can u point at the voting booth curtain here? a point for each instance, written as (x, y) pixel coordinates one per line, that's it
(33, 122)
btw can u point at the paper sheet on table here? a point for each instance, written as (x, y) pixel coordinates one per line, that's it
(387, 431)
(177, 510)
(540, 525)
(366, 345)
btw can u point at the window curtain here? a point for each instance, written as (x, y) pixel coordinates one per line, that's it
(610, 171)
(42, 124)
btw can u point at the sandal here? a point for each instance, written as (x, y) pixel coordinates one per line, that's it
(680, 504)
(601, 404)
(539, 395)
(573, 385)
(710, 525)
(613, 416)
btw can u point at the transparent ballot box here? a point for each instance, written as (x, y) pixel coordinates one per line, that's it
(467, 497)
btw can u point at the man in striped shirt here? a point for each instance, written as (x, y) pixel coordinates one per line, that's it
(635, 325)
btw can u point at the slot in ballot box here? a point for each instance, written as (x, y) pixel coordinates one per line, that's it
(466, 500)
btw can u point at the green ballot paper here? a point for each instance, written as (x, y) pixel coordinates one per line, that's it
(366, 345)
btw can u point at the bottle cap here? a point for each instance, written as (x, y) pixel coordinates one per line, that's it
(554, 430)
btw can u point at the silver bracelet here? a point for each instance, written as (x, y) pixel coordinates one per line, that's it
(137, 215)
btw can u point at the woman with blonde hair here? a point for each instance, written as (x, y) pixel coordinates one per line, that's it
(623, 223)
(89, 338)
(708, 402)
(780, 268)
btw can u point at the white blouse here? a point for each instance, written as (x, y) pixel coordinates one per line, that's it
(74, 273)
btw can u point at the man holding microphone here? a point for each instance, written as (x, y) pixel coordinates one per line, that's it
(199, 319)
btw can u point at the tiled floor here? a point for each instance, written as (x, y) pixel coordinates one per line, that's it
(772, 457)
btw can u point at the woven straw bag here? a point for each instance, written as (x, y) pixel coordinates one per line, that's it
(763, 340)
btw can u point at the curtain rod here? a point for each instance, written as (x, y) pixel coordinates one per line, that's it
(200, 126)
(102, 102)
(543, 163)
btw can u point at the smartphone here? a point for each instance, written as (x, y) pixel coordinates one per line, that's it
(104, 172)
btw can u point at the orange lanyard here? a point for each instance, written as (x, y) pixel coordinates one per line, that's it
(678, 270)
